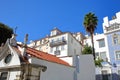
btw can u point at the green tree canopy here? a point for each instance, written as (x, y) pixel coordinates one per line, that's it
(87, 50)
(5, 33)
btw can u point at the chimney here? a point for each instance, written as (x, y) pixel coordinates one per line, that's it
(25, 46)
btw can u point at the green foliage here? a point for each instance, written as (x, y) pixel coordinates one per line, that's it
(98, 62)
(5, 33)
(90, 22)
(87, 50)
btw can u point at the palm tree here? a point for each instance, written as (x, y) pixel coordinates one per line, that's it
(90, 23)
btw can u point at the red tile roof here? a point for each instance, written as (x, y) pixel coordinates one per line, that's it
(44, 56)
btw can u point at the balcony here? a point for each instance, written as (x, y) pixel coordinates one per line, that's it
(57, 43)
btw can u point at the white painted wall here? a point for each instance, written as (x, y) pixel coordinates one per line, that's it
(87, 68)
(74, 47)
(107, 22)
(15, 59)
(62, 52)
(96, 39)
(54, 71)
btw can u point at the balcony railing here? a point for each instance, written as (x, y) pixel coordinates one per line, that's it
(57, 43)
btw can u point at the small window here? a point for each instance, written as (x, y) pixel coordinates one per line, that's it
(97, 54)
(57, 48)
(117, 54)
(52, 40)
(8, 58)
(103, 56)
(115, 40)
(57, 52)
(63, 38)
(119, 74)
(3, 76)
(51, 50)
(101, 43)
(71, 40)
(62, 47)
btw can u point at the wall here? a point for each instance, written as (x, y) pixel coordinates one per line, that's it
(74, 47)
(87, 68)
(54, 71)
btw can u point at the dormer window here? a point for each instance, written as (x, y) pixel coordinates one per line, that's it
(55, 32)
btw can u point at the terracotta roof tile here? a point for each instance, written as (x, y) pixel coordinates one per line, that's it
(45, 56)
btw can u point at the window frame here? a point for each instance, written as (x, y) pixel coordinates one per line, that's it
(116, 58)
(6, 76)
(100, 43)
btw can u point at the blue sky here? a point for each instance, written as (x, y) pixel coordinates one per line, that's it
(39, 17)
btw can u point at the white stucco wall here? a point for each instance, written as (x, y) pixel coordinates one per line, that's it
(14, 61)
(54, 71)
(87, 68)
(62, 52)
(74, 47)
(96, 39)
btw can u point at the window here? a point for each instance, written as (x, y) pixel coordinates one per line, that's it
(8, 58)
(71, 40)
(51, 50)
(57, 48)
(63, 38)
(104, 75)
(101, 43)
(119, 74)
(3, 76)
(57, 52)
(117, 54)
(62, 47)
(52, 40)
(103, 55)
(115, 40)
(97, 54)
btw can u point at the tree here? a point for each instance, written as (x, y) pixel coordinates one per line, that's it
(90, 23)
(87, 50)
(5, 33)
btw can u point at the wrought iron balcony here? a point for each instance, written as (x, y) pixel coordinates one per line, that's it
(57, 43)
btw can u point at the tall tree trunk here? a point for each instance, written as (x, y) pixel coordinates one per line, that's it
(93, 50)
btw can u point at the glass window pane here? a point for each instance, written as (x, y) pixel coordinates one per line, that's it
(117, 55)
(3, 76)
(101, 43)
(115, 40)
(103, 55)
